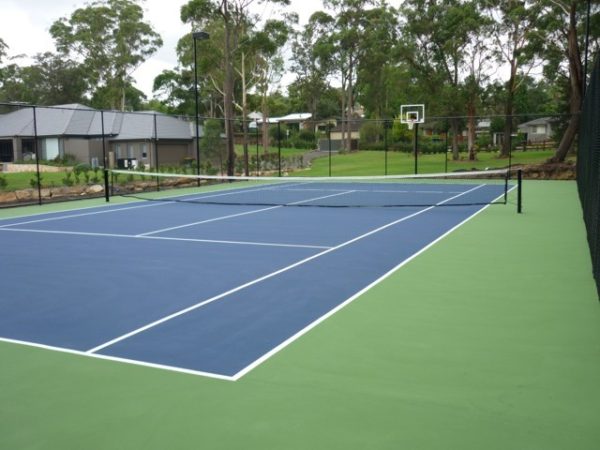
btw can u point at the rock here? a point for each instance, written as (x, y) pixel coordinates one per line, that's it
(94, 189)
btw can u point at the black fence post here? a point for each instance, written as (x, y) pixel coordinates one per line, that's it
(519, 191)
(37, 156)
(416, 146)
(329, 145)
(156, 154)
(104, 161)
(257, 153)
(446, 151)
(279, 147)
(510, 143)
(385, 145)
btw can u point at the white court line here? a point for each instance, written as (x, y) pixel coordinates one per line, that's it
(157, 202)
(245, 213)
(165, 238)
(324, 317)
(262, 359)
(117, 359)
(266, 277)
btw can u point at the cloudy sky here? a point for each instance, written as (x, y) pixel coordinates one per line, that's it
(26, 24)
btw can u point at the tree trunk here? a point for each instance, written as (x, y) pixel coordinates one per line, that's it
(455, 132)
(245, 117)
(508, 113)
(575, 79)
(471, 131)
(350, 104)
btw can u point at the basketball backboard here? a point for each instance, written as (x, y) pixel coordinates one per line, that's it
(411, 114)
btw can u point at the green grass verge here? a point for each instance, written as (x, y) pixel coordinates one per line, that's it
(285, 151)
(488, 340)
(399, 163)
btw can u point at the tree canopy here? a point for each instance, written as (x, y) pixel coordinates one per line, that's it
(463, 58)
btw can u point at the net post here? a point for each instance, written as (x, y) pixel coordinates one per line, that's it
(519, 191)
(506, 178)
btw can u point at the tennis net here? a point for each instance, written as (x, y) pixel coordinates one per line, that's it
(448, 189)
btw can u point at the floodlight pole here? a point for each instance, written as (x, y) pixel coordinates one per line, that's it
(197, 36)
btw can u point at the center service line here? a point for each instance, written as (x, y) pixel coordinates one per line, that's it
(266, 277)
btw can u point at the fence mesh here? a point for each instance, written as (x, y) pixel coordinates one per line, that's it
(588, 167)
(59, 153)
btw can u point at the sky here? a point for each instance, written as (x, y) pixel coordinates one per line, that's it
(26, 24)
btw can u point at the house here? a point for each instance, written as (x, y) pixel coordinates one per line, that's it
(299, 120)
(537, 130)
(130, 138)
(339, 131)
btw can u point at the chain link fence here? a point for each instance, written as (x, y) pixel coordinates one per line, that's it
(588, 167)
(58, 153)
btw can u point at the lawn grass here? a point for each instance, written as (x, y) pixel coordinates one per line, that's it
(285, 151)
(400, 163)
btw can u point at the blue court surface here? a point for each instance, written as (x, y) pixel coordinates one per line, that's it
(212, 289)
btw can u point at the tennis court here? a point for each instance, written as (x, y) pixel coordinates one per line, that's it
(214, 289)
(488, 339)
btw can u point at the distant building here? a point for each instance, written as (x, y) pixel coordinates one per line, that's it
(298, 119)
(340, 130)
(537, 130)
(130, 138)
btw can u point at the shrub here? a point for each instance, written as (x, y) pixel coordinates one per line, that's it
(33, 182)
(68, 179)
(3, 182)
(371, 132)
(65, 160)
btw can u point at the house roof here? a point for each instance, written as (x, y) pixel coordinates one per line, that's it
(293, 118)
(80, 120)
(538, 121)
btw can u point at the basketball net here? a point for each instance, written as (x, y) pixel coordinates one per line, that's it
(410, 123)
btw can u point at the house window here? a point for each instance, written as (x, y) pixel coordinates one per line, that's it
(144, 151)
(130, 151)
(118, 151)
(540, 129)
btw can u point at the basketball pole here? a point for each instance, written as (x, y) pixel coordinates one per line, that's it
(416, 146)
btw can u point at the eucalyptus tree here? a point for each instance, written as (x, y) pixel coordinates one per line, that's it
(269, 63)
(516, 41)
(478, 69)
(229, 22)
(3, 50)
(3, 53)
(346, 31)
(111, 40)
(50, 80)
(436, 38)
(376, 63)
(313, 62)
(562, 24)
